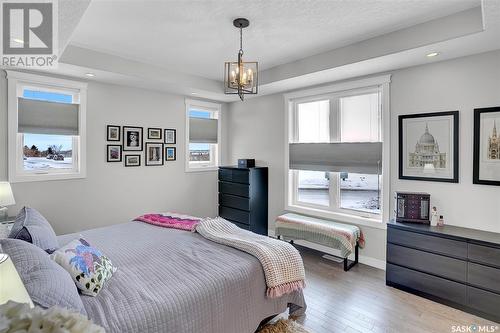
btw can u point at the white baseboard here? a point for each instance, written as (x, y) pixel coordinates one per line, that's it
(370, 261)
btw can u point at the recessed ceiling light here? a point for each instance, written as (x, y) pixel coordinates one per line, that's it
(193, 93)
(432, 54)
(89, 74)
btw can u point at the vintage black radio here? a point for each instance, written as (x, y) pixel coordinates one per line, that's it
(412, 207)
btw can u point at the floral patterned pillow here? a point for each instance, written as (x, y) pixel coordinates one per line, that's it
(88, 267)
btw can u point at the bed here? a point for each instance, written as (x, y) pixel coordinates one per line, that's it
(171, 280)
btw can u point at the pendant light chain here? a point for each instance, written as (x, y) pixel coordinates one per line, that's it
(240, 65)
(241, 40)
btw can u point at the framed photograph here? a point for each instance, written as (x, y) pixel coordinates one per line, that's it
(154, 153)
(113, 133)
(487, 146)
(132, 160)
(170, 136)
(114, 153)
(132, 138)
(154, 134)
(170, 154)
(429, 147)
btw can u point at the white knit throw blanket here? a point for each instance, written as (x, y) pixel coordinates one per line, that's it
(282, 263)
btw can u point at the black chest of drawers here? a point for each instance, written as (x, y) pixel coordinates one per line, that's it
(243, 197)
(456, 266)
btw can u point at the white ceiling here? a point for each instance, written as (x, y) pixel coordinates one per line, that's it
(69, 14)
(196, 37)
(299, 43)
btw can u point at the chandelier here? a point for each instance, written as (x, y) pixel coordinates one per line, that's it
(241, 77)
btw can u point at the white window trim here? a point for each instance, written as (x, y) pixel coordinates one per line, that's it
(383, 82)
(215, 107)
(14, 79)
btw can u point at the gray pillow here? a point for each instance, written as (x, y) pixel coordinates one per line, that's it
(47, 283)
(32, 227)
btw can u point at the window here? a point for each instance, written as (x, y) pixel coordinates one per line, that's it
(202, 135)
(313, 124)
(335, 152)
(46, 128)
(360, 118)
(313, 187)
(360, 192)
(47, 152)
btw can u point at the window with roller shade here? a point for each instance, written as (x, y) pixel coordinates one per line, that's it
(202, 135)
(335, 153)
(47, 128)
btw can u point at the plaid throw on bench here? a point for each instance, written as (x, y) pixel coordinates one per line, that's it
(332, 234)
(282, 263)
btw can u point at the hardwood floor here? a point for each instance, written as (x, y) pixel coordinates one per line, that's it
(359, 301)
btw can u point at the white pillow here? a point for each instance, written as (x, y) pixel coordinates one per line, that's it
(88, 267)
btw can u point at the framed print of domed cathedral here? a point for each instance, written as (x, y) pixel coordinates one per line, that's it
(428, 146)
(487, 146)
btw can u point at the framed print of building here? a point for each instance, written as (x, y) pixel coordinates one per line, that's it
(429, 147)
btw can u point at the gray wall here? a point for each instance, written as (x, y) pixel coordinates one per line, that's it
(256, 130)
(462, 84)
(112, 193)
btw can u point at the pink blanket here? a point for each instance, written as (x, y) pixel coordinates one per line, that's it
(170, 220)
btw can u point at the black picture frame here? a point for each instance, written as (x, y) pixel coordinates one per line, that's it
(155, 129)
(160, 160)
(166, 136)
(109, 159)
(476, 179)
(166, 153)
(128, 164)
(108, 137)
(126, 146)
(455, 149)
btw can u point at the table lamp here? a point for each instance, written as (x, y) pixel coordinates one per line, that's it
(6, 198)
(11, 285)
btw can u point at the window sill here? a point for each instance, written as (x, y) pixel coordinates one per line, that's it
(41, 177)
(338, 217)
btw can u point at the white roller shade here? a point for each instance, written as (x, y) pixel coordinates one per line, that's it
(41, 117)
(365, 157)
(202, 130)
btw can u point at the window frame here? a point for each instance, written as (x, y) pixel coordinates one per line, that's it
(335, 91)
(208, 107)
(21, 80)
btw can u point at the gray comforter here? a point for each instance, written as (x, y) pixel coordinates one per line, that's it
(177, 281)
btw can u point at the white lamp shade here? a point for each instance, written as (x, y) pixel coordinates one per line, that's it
(6, 196)
(11, 285)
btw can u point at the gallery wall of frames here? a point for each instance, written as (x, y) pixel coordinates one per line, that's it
(126, 144)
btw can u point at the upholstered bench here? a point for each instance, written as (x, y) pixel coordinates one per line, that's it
(344, 237)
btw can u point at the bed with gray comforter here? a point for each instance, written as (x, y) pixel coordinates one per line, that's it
(177, 281)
